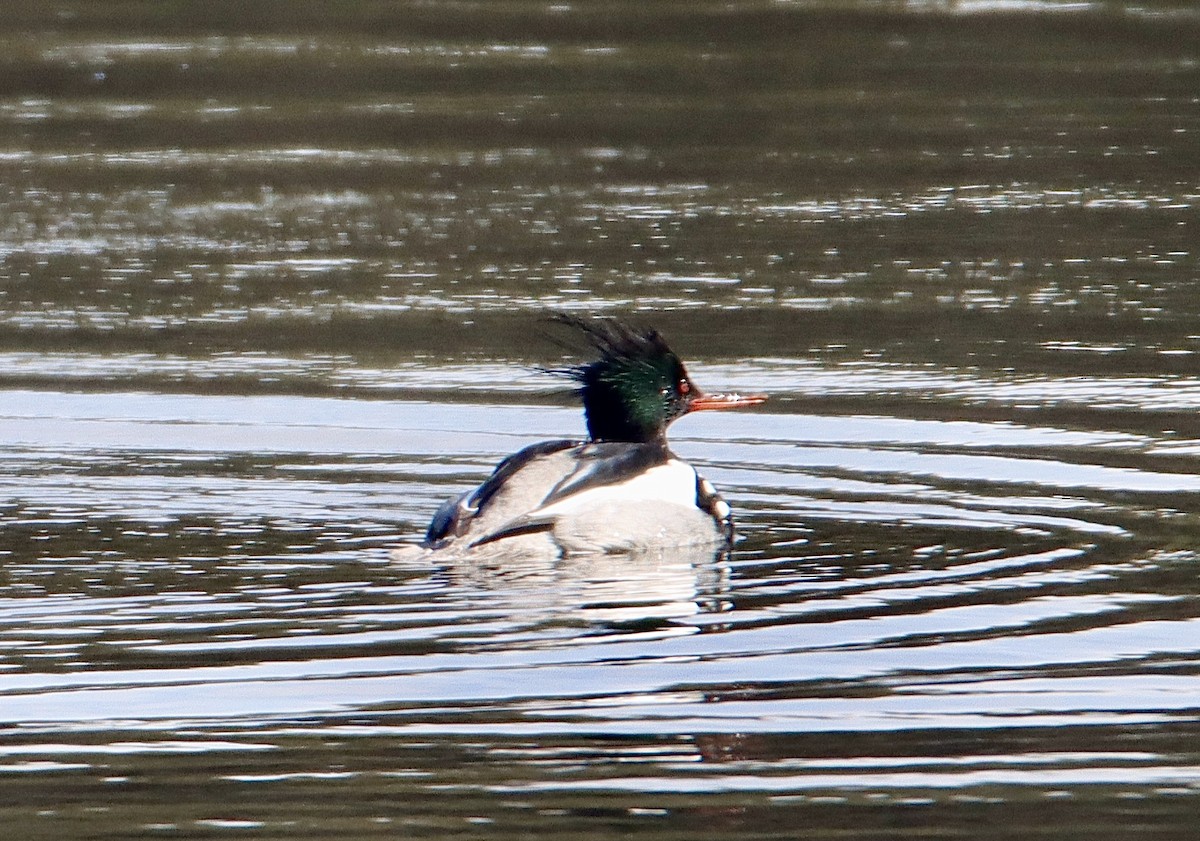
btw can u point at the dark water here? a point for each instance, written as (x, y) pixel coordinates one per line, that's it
(271, 286)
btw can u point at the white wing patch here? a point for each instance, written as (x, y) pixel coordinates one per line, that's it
(673, 483)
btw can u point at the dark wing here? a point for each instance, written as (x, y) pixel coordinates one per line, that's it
(454, 517)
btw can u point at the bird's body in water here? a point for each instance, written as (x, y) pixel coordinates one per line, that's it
(622, 489)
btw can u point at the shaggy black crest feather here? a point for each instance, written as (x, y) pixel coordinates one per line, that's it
(615, 340)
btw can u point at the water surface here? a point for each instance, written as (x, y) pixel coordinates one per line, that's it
(272, 286)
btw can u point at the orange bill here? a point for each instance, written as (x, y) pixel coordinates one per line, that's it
(731, 400)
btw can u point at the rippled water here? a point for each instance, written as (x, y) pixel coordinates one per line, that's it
(272, 286)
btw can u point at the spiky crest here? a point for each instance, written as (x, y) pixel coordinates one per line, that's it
(636, 387)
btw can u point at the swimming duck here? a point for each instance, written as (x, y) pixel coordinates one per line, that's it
(620, 490)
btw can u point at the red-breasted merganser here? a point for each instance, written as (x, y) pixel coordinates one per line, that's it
(622, 489)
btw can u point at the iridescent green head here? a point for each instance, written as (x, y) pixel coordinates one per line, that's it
(638, 386)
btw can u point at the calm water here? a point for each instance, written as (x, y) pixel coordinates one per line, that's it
(272, 280)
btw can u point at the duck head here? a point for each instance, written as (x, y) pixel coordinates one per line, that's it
(638, 385)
